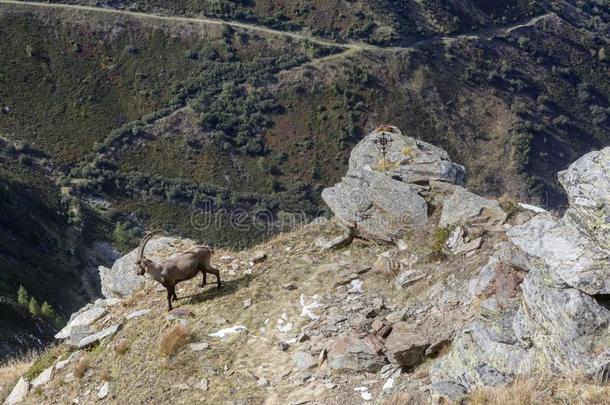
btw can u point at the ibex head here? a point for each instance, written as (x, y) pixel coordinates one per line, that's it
(142, 261)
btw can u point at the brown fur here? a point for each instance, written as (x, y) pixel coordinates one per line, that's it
(181, 268)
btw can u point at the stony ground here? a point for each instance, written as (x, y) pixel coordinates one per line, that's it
(278, 359)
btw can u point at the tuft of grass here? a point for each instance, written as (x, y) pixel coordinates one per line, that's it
(510, 206)
(544, 388)
(173, 339)
(81, 367)
(121, 346)
(41, 363)
(106, 375)
(11, 370)
(385, 164)
(439, 240)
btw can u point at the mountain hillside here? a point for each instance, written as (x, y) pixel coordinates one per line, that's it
(481, 301)
(181, 122)
(43, 252)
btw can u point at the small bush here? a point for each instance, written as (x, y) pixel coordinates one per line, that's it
(43, 362)
(81, 367)
(173, 339)
(438, 241)
(510, 206)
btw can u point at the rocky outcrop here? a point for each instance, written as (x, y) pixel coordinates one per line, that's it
(560, 320)
(587, 183)
(380, 198)
(121, 280)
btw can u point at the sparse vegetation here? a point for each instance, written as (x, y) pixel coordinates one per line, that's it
(438, 240)
(173, 339)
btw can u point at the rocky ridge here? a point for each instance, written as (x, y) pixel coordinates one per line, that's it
(312, 317)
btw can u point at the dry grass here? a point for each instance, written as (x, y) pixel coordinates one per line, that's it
(121, 346)
(81, 367)
(11, 370)
(106, 375)
(173, 339)
(545, 389)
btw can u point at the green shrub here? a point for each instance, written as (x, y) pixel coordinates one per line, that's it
(439, 240)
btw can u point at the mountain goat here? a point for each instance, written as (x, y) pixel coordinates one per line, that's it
(184, 267)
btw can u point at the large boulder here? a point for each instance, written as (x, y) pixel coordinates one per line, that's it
(587, 183)
(380, 198)
(558, 246)
(122, 279)
(411, 160)
(376, 206)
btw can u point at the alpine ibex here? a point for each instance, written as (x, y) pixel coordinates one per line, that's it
(181, 268)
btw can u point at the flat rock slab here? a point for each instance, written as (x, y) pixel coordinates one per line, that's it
(137, 314)
(198, 347)
(96, 337)
(43, 378)
(304, 360)
(179, 313)
(85, 318)
(18, 393)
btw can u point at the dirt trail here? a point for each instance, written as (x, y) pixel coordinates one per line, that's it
(354, 46)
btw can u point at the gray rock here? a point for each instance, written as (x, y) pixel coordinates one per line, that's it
(376, 206)
(103, 391)
(338, 242)
(463, 207)
(410, 159)
(563, 249)
(203, 385)
(349, 352)
(43, 378)
(407, 278)
(137, 314)
(198, 347)
(404, 347)
(85, 318)
(18, 393)
(304, 360)
(122, 280)
(450, 390)
(96, 337)
(587, 183)
(386, 262)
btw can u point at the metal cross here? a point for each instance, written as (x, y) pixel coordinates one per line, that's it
(382, 142)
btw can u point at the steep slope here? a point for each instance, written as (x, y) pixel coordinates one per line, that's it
(40, 250)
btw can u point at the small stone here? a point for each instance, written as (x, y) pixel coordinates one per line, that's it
(303, 360)
(407, 278)
(137, 314)
(385, 262)
(402, 245)
(103, 391)
(248, 303)
(322, 356)
(396, 316)
(376, 325)
(198, 347)
(282, 346)
(181, 387)
(330, 385)
(262, 382)
(289, 286)
(259, 257)
(203, 385)
(179, 313)
(303, 337)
